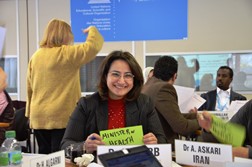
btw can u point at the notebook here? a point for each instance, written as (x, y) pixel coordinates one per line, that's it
(139, 156)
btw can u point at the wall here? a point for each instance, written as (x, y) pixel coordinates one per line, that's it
(212, 26)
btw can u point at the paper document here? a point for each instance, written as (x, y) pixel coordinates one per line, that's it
(184, 93)
(188, 99)
(236, 105)
(233, 108)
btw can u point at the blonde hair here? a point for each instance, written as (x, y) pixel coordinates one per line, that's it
(57, 33)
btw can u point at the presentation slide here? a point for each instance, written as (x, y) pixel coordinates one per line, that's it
(131, 20)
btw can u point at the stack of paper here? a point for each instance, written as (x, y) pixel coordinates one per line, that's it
(188, 99)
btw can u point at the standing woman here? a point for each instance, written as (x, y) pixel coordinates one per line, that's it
(53, 81)
(117, 104)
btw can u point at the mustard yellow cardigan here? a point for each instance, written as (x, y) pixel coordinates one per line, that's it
(53, 81)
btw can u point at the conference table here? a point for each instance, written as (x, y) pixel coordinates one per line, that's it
(68, 163)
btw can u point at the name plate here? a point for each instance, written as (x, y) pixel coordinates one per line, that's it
(243, 160)
(56, 159)
(161, 151)
(225, 115)
(237, 164)
(202, 154)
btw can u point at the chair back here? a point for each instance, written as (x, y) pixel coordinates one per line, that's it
(21, 125)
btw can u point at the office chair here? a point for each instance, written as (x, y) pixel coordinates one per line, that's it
(23, 131)
(21, 125)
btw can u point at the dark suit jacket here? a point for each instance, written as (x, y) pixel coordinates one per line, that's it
(91, 116)
(210, 98)
(7, 116)
(165, 99)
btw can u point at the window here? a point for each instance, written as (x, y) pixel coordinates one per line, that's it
(9, 64)
(204, 77)
(88, 75)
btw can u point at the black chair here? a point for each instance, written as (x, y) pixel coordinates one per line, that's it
(21, 126)
(23, 131)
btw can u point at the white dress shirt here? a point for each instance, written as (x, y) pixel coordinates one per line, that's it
(222, 100)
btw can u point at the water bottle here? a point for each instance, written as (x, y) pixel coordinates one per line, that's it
(10, 151)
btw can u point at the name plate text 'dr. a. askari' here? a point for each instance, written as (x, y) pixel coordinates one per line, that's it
(202, 154)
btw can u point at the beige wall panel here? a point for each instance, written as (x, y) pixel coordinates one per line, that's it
(8, 20)
(212, 26)
(23, 48)
(139, 53)
(111, 46)
(32, 24)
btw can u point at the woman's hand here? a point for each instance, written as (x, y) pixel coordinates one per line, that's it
(150, 138)
(85, 31)
(92, 142)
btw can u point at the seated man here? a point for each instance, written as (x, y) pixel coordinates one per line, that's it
(162, 92)
(220, 98)
(242, 117)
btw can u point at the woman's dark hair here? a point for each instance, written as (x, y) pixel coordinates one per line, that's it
(135, 70)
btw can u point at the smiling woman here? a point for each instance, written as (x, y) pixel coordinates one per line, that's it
(119, 86)
(117, 104)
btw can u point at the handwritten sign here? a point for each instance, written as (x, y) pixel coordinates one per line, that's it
(123, 136)
(227, 132)
(56, 159)
(202, 154)
(161, 151)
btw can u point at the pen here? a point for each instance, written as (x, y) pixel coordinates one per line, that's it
(92, 138)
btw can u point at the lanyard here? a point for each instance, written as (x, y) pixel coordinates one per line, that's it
(221, 106)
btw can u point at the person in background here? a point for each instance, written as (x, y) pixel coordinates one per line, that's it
(117, 104)
(219, 99)
(53, 81)
(185, 75)
(147, 73)
(240, 81)
(161, 90)
(6, 107)
(3, 77)
(206, 82)
(242, 117)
